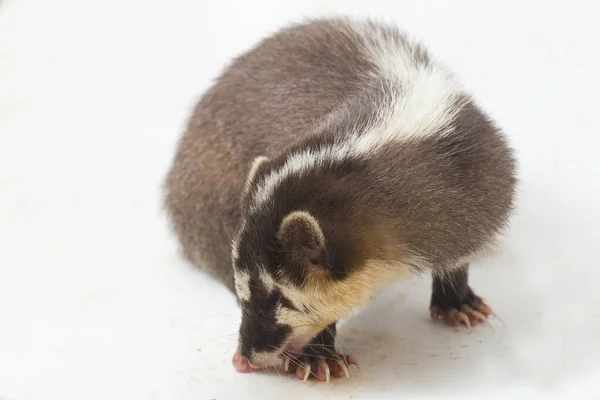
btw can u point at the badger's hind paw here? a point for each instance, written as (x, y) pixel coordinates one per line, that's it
(475, 313)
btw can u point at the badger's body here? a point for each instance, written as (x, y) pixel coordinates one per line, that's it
(331, 159)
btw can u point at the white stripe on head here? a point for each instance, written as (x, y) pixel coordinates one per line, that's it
(258, 161)
(235, 243)
(424, 100)
(235, 249)
(242, 284)
(266, 280)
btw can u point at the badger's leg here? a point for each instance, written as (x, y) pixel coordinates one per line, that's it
(321, 360)
(455, 302)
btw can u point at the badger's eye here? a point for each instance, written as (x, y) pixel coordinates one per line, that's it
(286, 303)
(279, 270)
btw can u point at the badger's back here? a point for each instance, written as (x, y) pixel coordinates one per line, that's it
(267, 99)
(328, 92)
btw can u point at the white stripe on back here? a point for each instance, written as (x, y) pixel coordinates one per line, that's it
(424, 102)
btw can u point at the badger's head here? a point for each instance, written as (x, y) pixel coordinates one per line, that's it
(291, 279)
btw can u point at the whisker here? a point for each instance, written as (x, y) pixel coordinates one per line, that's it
(223, 315)
(227, 335)
(303, 325)
(366, 346)
(277, 370)
(336, 336)
(286, 354)
(228, 350)
(295, 362)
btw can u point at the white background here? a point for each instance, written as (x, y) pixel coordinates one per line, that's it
(95, 302)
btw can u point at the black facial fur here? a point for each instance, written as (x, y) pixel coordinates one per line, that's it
(259, 330)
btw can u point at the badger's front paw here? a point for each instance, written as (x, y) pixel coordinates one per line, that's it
(320, 359)
(321, 365)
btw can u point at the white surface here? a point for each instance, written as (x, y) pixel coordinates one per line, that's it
(95, 302)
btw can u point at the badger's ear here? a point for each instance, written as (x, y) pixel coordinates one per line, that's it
(302, 240)
(259, 165)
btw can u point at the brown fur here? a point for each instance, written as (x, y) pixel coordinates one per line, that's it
(422, 204)
(264, 101)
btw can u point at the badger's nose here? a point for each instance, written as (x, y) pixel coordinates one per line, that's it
(241, 363)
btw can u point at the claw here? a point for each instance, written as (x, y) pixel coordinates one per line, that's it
(303, 371)
(462, 317)
(324, 369)
(327, 372)
(435, 313)
(470, 312)
(493, 314)
(352, 361)
(344, 368)
(479, 317)
(286, 365)
(487, 323)
(483, 308)
(486, 310)
(474, 313)
(307, 372)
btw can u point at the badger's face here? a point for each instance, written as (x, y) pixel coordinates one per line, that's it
(282, 290)
(291, 279)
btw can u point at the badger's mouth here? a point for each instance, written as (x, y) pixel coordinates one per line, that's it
(289, 352)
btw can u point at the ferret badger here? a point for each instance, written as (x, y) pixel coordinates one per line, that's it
(327, 162)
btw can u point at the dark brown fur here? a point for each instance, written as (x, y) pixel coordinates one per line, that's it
(438, 199)
(267, 99)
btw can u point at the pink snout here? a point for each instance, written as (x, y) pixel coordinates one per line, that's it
(241, 363)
